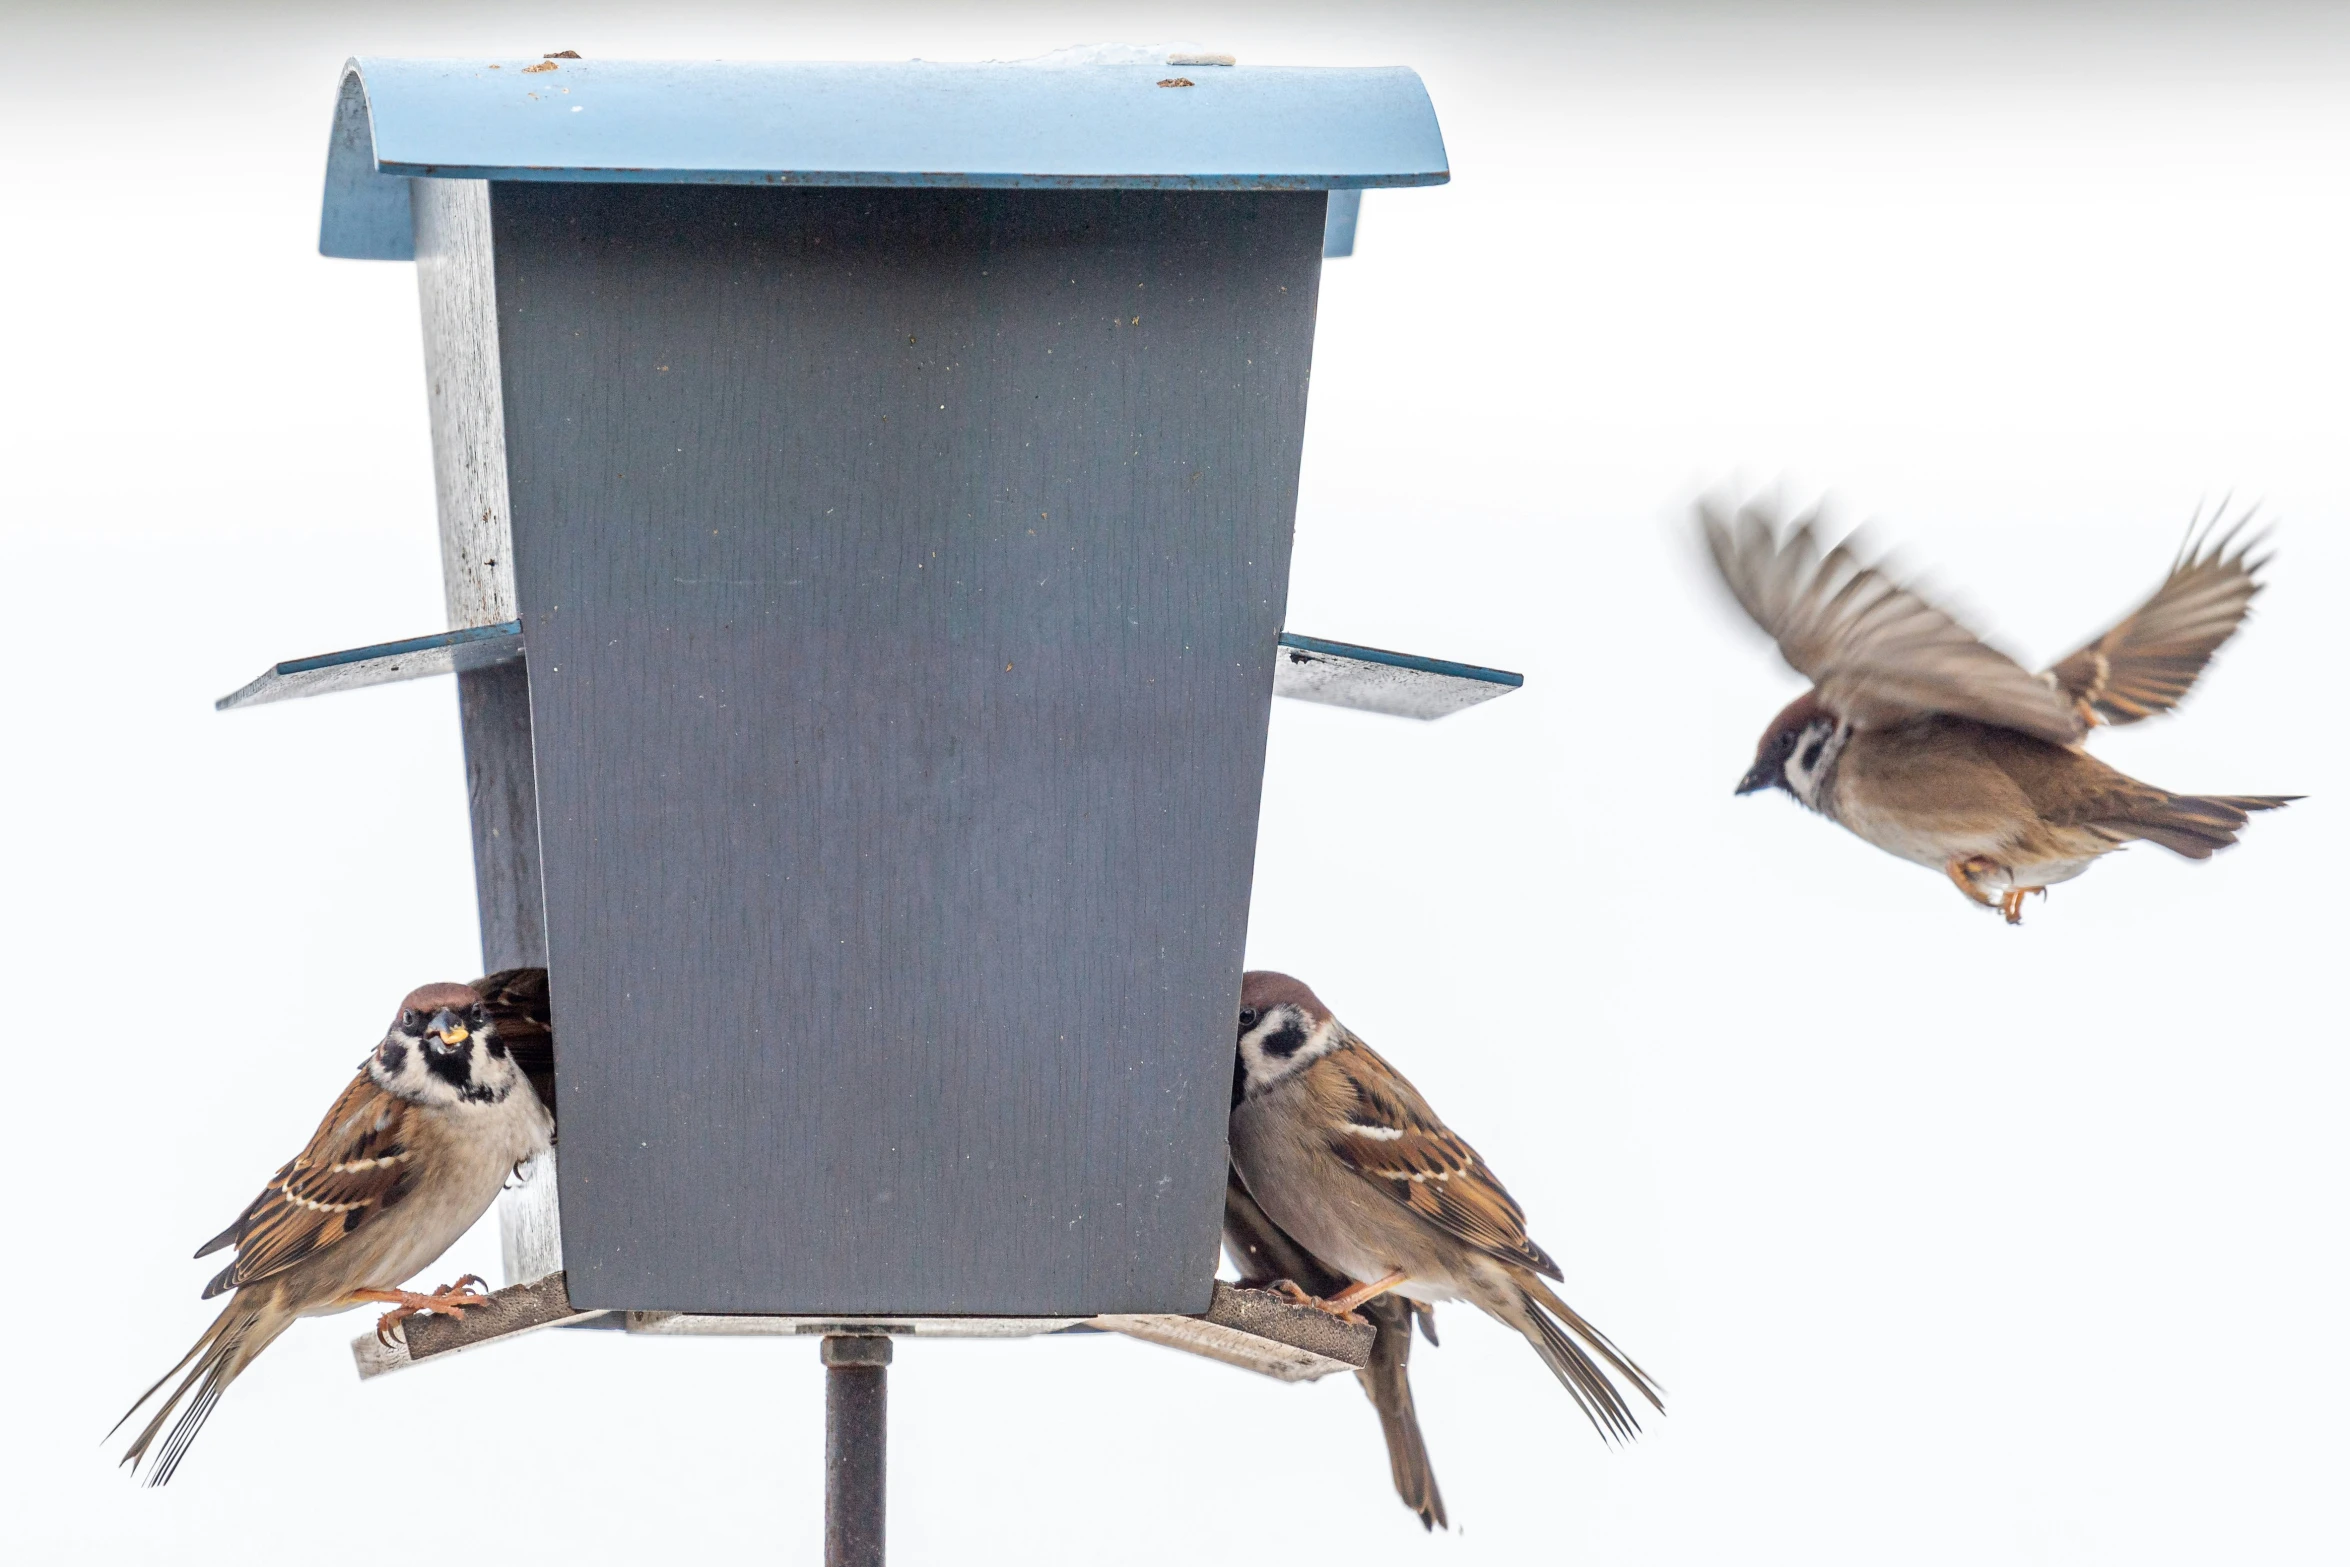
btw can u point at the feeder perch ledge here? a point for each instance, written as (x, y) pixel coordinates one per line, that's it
(1255, 1330)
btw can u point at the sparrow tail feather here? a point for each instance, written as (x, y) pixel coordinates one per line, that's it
(1387, 1381)
(242, 1330)
(2195, 825)
(1606, 1407)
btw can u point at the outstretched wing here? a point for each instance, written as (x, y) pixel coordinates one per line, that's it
(357, 1165)
(1878, 652)
(524, 1016)
(1393, 1140)
(2146, 664)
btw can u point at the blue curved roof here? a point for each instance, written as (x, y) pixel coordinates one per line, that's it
(1031, 125)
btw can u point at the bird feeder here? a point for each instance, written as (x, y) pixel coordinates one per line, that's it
(865, 497)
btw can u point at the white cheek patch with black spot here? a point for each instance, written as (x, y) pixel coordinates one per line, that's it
(1815, 753)
(396, 1066)
(1282, 1044)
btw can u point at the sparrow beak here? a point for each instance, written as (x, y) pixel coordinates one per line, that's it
(1757, 778)
(448, 1029)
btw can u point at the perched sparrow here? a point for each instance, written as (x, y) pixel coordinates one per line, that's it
(411, 1154)
(1347, 1158)
(1941, 750)
(1265, 1254)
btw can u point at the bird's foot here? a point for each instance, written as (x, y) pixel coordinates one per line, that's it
(452, 1300)
(1966, 875)
(1287, 1289)
(2012, 905)
(1344, 1302)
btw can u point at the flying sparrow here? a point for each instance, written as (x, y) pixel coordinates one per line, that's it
(1346, 1157)
(1937, 748)
(1265, 1254)
(411, 1154)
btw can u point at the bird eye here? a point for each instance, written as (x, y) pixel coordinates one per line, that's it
(1249, 1017)
(479, 1016)
(411, 1019)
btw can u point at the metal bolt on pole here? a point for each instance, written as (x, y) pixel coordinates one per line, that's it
(856, 1449)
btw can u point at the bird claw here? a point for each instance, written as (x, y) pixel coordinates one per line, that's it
(1287, 1289)
(1965, 874)
(450, 1300)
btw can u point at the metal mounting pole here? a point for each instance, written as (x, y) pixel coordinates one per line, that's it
(856, 1449)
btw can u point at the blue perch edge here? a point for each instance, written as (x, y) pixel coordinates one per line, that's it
(381, 663)
(1309, 669)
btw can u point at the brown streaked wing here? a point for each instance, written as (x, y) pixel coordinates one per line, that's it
(357, 1164)
(1393, 1140)
(1877, 650)
(2148, 663)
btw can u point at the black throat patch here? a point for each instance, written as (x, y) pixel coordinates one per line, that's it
(456, 1069)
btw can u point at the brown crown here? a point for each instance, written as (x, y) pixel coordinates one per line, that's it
(1792, 717)
(1264, 990)
(429, 999)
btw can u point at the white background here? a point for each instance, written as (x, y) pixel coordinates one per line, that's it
(1953, 1243)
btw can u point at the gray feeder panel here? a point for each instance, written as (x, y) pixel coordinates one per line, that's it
(902, 568)
(899, 704)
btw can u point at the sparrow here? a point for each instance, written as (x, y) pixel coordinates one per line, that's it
(412, 1153)
(1939, 749)
(1267, 1256)
(1346, 1157)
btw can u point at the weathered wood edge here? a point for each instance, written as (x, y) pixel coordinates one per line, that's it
(514, 1310)
(1255, 1330)
(1258, 1331)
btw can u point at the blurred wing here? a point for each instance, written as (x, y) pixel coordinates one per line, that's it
(2146, 664)
(1392, 1139)
(1878, 652)
(356, 1166)
(525, 1017)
